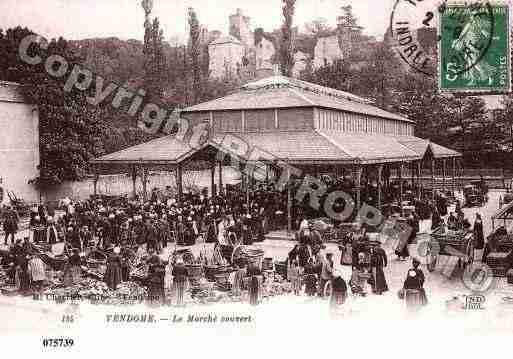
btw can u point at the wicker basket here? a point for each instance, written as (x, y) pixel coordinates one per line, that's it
(222, 278)
(95, 259)
(256, 260)
(194, 270)
(212, 271)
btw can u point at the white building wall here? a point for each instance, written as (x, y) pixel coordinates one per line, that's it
(19, 148)
(350, 122)
(264, 53)
(327, 50)
(224, 59)
(300, 59)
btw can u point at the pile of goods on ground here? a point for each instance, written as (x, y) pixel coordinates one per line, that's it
(243, 255)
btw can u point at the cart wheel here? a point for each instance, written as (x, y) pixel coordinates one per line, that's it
(327, 289)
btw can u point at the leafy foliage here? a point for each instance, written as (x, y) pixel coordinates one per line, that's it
(287, 39)
(155, 62)
(194, 53)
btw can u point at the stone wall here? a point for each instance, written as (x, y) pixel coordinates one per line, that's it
(121, 184)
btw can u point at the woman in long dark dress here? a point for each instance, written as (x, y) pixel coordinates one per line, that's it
(113, 273)
(478, 232)
(310, 278)
(155, 281)
(436, 220)
(22, 278)
(415, 294)
(378, 262)
(254, 284)
(339, 291)
(73, 270)
(180, 278)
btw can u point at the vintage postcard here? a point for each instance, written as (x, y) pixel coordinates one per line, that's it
(273, 178)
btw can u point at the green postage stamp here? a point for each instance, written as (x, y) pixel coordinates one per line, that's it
(474, 47)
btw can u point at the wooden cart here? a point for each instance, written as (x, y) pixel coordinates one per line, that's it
(499, 244)
(459, 244)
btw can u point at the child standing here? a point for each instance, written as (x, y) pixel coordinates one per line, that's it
(295, 276)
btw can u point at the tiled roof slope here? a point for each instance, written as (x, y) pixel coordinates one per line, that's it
(282, 92)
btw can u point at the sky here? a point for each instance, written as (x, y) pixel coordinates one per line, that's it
(81, 19)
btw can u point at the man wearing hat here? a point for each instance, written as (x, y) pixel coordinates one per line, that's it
(10, 219)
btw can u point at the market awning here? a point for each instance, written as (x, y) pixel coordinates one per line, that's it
(422, 146)
(295, 147)
(371, 148)
(164, 150)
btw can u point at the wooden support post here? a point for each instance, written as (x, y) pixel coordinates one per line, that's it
(95, 183)
(358, 183)
(213, 179)
(289, 201)
(179, 182)
(443, 175)
(419, 182)
(247, 193)
(433, 164)
(380, 171)
(412, 175)
(454, 174)
(400, 175)
(220, 178)
(145, 184)
(134, 179)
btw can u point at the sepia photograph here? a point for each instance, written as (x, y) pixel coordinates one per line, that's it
(283, 178)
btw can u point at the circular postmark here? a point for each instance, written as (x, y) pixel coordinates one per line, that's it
(432, 34)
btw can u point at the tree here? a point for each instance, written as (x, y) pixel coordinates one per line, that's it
(195, 53)
(287, 39)
(154, 60)
(505, 120)
(336, 75)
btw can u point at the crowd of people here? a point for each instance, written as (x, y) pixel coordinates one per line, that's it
(120, 227)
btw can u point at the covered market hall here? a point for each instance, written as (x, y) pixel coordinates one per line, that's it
(321, 132)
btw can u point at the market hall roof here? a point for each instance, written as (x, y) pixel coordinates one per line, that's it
(11, 92)
(295, 147)
(422, 146)
(283, 92)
